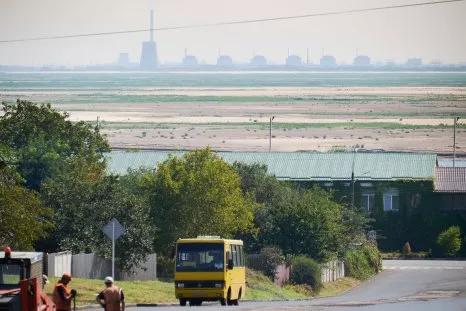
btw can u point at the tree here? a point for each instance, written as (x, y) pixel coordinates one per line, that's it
(43, 139)
(198, 194)
(83, 205)
(23, 218)
(450, 241)
(305, 222)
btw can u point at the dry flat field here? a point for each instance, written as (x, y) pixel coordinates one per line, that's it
(147, 115)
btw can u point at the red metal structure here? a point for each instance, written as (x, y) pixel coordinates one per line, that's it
(21, 287)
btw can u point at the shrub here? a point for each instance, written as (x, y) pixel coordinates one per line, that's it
(357, 265)
(450, 241)
(406, 248)
(271, 257)
(373, 256)
(364, 261)
(305, 270)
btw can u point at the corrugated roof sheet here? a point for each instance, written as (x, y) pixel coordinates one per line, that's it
(450, 179)
(302, 165)
(449, 163)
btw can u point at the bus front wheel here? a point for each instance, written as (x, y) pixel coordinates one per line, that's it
(182, 302)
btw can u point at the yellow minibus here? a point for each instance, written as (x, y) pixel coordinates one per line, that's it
(209, 268)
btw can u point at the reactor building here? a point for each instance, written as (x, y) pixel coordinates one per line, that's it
(149, 60)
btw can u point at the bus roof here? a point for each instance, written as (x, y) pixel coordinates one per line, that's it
(210, 240)
(33, 257)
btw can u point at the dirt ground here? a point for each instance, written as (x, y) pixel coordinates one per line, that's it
(224, 125)
(244, 126)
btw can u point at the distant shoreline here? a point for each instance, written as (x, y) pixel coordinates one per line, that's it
(233, 72)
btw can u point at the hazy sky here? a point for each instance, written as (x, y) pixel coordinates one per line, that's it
(431, 32)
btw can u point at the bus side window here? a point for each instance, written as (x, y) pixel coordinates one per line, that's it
(229, 261)
(235, 255)
(241, 256)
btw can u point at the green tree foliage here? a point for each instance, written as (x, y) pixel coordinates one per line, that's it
(307, 222)
(23, 218)
(363, 261)
(271, 257)
(84, 203)
(450, 241)
(304, 270)
(198, 194)
(43, 139)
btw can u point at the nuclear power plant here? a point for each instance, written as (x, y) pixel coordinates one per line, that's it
(149, 59)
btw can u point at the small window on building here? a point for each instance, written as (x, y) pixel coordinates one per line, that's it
(391, 200)
(328, 184)
(367, 201)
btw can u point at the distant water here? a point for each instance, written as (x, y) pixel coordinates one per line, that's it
(119, 80)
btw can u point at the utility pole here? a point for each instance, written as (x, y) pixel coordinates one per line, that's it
(352, 181)
(454, 139)
(270, 134)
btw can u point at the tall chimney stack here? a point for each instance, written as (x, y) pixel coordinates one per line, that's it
(151, 25)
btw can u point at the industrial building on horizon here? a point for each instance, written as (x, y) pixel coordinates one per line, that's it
(149, 59)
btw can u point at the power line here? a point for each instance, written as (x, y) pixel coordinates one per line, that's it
(250, 21)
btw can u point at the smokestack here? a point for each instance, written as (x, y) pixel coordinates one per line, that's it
(152, 25)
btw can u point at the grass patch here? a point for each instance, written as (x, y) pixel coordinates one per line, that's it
(259, 287)
(276, 125)
(338, 287)
(135, 291)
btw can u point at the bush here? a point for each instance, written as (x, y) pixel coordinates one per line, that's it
(364, 261)
(406, 248)
(450, 241)
(357, 265)
(373, 256)
(304, 270)
(271, 257)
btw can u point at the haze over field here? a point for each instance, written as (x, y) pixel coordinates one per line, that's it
(429, 32)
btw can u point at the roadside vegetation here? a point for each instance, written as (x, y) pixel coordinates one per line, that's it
(162, 292)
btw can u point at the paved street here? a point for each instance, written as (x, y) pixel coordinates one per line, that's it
(403, 285)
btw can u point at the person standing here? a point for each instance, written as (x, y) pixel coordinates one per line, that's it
(112, 297)
(62, 296)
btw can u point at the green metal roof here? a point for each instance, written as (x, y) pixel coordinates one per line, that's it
(302, 165)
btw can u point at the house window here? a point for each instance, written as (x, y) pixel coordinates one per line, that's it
(368, 201)
(391, 200)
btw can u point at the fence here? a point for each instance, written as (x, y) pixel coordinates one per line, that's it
(91, 266)
(331, 271)
(58, 263)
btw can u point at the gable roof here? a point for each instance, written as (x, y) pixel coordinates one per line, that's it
(450, 179)
(302, 165)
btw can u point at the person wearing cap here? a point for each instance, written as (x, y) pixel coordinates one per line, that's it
(45, 302)
(112, 297)
(62, 296)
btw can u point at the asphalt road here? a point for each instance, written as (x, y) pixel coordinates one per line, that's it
(403, 285)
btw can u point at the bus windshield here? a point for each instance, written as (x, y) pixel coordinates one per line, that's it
(193, 257)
